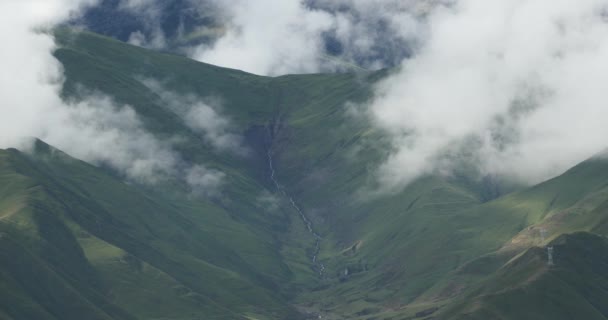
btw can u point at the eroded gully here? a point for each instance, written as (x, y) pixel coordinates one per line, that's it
(317, 265)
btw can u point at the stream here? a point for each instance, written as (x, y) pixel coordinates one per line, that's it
(309, 226)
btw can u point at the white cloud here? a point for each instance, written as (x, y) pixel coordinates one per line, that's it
(150, 12)
(94, 129)
(203, 116)
(522, 79)
(268, 201)
(519, 83)
(203, 180)
(31, 77)
(377, 33)
(216, 129)
(155, 41)
(268, 37)
(279, 37)
(97, 131)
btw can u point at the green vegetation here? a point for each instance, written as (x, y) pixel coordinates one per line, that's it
(78, 242)
(132, 253)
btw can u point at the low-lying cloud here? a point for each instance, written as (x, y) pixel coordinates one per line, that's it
(98, 131)
(293, 36)
(154, 37)
(268, 37)
(94, 128)
(516, 87)
(31, 77)
(278, 37)
(512, 87)
(203, 115)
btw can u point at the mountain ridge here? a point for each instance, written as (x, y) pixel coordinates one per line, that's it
(120, 249)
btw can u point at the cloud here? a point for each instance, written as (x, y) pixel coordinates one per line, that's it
(268, 37)
(268, 201)
(94, 128)
(513, 86)
(150, 12)
(272, 38)
(98, 131)
(204, 181)
(31, 77)
(276, 37)
(374, 33)
(203, 116)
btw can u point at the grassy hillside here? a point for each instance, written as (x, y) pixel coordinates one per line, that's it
(445, 246)
(125, 253)
(528, 288)
(322, 154)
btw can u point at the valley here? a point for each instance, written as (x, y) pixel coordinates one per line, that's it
(317, 238)
(295, 229)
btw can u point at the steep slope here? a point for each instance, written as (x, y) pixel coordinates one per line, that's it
(306, 123)
(574, 287)
(405, 248)
(321, 153)
(437, 247)
(106, 250)
(573, 202)
(256, 106)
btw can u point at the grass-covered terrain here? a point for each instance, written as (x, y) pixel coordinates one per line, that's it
(99, 248)
(527, 287)
(83, 242)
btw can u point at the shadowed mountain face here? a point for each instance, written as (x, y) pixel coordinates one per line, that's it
(290, 233)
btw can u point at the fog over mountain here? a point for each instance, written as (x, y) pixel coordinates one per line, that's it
(92, 126)
(513, 86)
(303, 159)
(324, 35)
(475, 79)
(517, 86)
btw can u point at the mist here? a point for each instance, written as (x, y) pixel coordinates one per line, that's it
(280, 37)
(203, 115)
(149, 12)
(274, 37)
(31, 76)
(94, 128)
(515, 87)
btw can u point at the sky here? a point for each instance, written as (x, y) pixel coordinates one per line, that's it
(515, 87)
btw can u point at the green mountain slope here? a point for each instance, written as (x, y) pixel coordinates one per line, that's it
(306, 124)
(575, 287)
(124, 253)
(453, 247)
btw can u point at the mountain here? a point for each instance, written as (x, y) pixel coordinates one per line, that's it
(78, 242)
(526, 287)
(81, 240)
